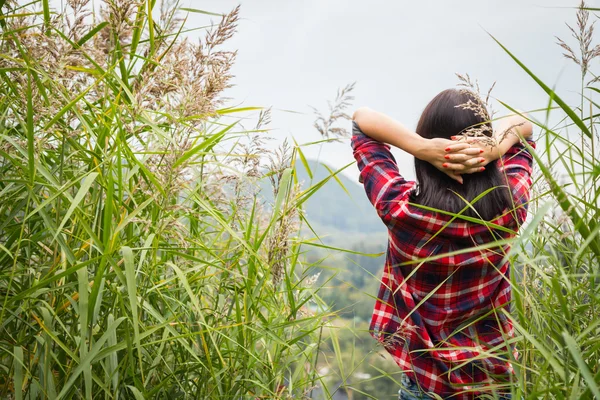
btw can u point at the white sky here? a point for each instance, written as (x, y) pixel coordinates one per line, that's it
(292, 54)
(296, 54)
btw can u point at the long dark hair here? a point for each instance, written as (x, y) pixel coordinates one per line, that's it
(441, 118)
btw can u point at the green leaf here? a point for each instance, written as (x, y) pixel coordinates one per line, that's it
(18, 374)
(113, 360)
(583, 367)
(6, 250)
(205, 145)
(195, 10)
(46, 7)
(343, 250)
(334, 175)
(133, 302)
(304, 162)
(91, 33)
(131, 216)
(282, 192)
(136, 393)
(86, 363)
(30, 133)
(82, 277)
(83, 190)
(565, 107)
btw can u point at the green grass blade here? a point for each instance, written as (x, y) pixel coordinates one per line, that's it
(18, 374)
(137, 395)
(583, 367)
(206, 145)
(30, 133)
(46, 7)
(82, 276)
(304, 162)
(91, 33)
(564, 106)
(113, 360)
(196, 11)
(133, 302)
(86, 363)
(83, 190)
(149, 6)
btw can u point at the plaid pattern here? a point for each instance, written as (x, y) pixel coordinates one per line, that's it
(441, 319)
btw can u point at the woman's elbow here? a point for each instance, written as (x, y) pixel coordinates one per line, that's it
(525, 126)
(526, 130)
(361, 113)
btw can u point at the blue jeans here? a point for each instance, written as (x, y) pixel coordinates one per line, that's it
(411, 391)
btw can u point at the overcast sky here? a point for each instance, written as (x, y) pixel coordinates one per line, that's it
(294, 54)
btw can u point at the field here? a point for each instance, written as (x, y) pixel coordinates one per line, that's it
(153, 244)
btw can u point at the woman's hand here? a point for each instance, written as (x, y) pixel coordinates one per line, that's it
(488, 148)
(455, 158)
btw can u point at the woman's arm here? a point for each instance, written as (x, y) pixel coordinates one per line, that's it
(386, 189)
(436, 151)
(380, 127)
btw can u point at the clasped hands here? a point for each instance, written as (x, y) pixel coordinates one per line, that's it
(459, 156)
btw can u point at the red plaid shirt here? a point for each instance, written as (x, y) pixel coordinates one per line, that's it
(441, 319)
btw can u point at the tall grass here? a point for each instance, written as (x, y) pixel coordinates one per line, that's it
(136, 260)
(558, 297)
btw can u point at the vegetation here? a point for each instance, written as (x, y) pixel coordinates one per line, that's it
(556, 301)
(138, 260)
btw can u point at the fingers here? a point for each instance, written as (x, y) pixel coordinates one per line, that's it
(474, 162)
(462, 157)
(457, 147)
(454, 176)
(469, 165)
(454, 167)
(464, 147)
(473, 151)
(473, 170)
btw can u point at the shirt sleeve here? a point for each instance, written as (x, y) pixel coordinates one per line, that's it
(386, 189)
(517, 165)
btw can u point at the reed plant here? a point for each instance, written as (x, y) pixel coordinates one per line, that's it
(556, 292)
(136, 257)
(138, 261)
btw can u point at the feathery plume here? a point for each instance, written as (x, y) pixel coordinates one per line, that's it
(326, 124)
(583, 35)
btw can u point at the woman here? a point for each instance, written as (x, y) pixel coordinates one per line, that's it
(442, 306)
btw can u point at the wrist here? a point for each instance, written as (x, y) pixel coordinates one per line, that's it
(421, 148)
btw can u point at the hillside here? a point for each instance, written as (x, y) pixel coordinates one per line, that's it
(339, 216)
(331, 206)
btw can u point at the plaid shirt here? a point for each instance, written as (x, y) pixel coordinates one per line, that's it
(441, 319)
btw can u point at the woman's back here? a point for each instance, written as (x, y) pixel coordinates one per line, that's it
(442, 305)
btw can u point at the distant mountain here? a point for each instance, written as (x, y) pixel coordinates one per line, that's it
(331, 206)
(343, 217)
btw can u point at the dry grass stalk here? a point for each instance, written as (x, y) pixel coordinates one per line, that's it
(480, 105)
(326, 125)
(278, 244)
(583, 35)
